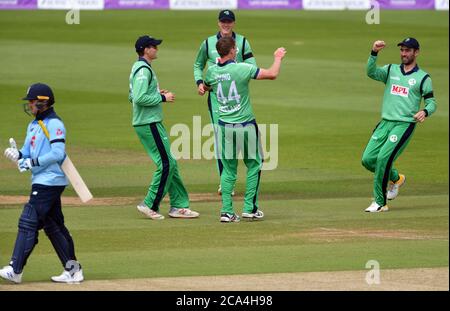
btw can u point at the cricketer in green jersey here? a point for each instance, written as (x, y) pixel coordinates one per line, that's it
(147, 98)
(208, 55)
(238, 130)
(406, 85)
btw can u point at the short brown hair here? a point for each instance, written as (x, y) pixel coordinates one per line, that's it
(224, 46)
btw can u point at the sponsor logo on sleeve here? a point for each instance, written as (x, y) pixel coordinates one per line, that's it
(59, 132)
(399, 90)
(393, 138)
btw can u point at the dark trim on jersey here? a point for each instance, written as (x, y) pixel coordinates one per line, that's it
(60, 140)
(47, 114)
(141, 59)
(415, 69)
(219, 35)
(422, 82)
(256, 74)
(35, 162)
(163, 98)
(388, 72)
(216, 138)
(20, 155)
(243, 48)
(165, 166)
(426, 112)
(207, 48)
(429, 95)
(390, 161)
(223, 123)
(373, 53)
(144, 66)
(230, 61)
(198, 82)
(247, 56)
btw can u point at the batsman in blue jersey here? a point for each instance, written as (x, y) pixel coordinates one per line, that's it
(43, 157)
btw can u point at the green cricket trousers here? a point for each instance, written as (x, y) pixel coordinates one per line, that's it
(240, 141)
(167, 177)
(388, 141)
(214, 115)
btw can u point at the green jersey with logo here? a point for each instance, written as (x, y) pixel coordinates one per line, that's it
(144, 94)
(230, 90)
(404, 90)
(207, 54)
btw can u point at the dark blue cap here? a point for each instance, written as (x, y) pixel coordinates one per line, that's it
(225, 15)
(146, 41)
(410, 43)
(40, 91)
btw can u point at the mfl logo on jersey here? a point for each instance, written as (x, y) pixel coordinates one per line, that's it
(399, 90)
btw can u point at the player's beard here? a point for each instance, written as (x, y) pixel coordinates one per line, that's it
(408, 60)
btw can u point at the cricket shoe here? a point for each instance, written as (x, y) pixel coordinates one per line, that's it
(219, 191)
(148, 212)
(394, 187)
(253, 216)
(70, 278)
(375, 208)
(8, 273)
(227, 217)
(183, 213)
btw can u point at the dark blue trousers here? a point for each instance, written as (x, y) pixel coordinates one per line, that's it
(43, 211)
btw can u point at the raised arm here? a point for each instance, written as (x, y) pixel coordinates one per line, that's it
(374, 72)
(274, 70)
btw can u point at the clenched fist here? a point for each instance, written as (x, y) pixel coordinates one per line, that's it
(279, 53)
(378, 45)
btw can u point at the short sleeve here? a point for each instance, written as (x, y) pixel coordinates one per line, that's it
(57, 131)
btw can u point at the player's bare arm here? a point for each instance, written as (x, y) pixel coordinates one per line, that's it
(274, 70)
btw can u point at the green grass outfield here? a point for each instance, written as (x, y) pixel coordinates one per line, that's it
(325, 107)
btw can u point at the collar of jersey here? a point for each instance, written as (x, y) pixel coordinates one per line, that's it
(219, 35)
(415, 69)
(230, 61)
(49, 113)
(141, 59)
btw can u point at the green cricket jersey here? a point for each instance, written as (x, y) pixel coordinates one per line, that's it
(144, 94)
(403, 92)
(207, 54)
(230, 90)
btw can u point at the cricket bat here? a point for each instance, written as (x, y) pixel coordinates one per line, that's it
(72, 174)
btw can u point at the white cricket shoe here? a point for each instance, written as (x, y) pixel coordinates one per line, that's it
(183, 213)
(8, 273)
(148, 212)
(394, 187)
(258, 215)
(227, 217)
(219, 191)
(375, 208)
(70, 278)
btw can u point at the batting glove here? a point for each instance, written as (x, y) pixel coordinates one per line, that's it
(12, 153)
(25, 164)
